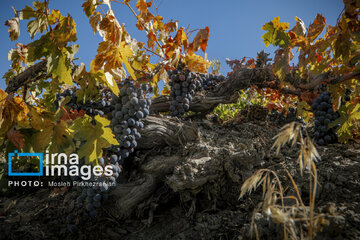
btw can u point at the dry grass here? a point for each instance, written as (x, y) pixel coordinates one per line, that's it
(273, 192)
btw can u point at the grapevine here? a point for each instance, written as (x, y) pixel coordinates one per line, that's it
(53, 104)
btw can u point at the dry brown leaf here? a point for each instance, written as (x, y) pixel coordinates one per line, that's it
(16, 138)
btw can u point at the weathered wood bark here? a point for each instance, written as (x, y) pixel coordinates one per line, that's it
(186, 162)
(31, 74)
(129, 196)
(158, 132)
(161, 131)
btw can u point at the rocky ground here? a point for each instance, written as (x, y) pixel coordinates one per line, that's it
(196, 182)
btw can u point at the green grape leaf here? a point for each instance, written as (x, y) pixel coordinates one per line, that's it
(27, 13)
(39, 48)
(276, 34)
(342, 46)
(349, 113)
(96, 137)
(37, 25)
(89, 7)
(56, 136)
(59, 66)
(108, 80)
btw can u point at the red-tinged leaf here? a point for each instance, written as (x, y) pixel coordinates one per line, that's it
(151, 39)
(316, 27)
(143, 6)
(74, 114)
(318, 58)
(94, 20)
(170, 26)
(308, 97)
(251, 63)
(271, 106)
(200, 41)
(181, 38)
(16, 138)
(292, 35)
(111, 28)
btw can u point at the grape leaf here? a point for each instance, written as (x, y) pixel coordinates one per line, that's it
(342, 46)
(14, 28)
(13, 111)
(89, 7)
(197, 63)
(27, 13)
(74, 114)
(39, 48)
(299, 29)
(151, 39)
(112, 57)
(36, 120)
(110, 30)
(94, 21)
(97, 137)
(276, 34)
(16, 138)
(64, 31)
(143, 6)
(42, 139)
(39, 24)
(200, 41)
(104, 78)
(349, 114)
(316, 27)
(59, 67)
(35, 26)
(281, 65)
(61, 138)
(55, 136)
(181, 38)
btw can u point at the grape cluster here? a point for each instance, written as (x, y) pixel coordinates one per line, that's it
(324, 114)
(347, 95)
(183, 85)
(210, 81)
(91, 198)
(131, 106)
(92, 108)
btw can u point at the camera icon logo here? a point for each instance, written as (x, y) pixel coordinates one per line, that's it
(15, 153)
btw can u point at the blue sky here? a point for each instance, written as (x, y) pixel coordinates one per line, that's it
(235, 26)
